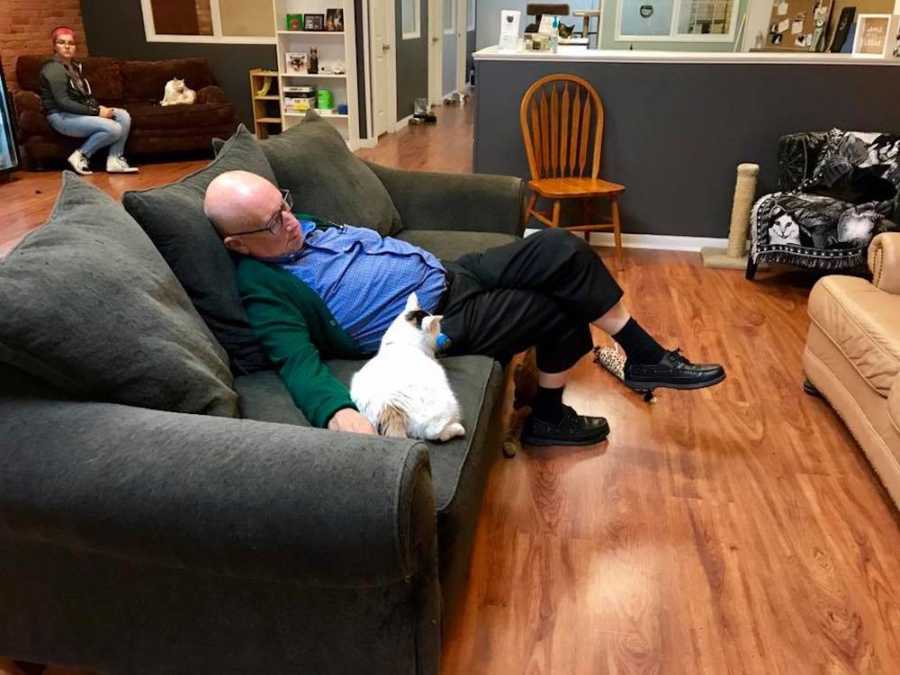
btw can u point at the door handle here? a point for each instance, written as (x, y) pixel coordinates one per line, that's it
(385, 48)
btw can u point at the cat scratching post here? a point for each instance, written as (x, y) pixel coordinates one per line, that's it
(734, 256)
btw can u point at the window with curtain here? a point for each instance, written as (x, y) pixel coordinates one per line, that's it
(410, 19)
(449, 16)
(249, 21)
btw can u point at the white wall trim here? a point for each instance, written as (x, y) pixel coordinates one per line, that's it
(401, 124)
(661, 242)
(368, 142)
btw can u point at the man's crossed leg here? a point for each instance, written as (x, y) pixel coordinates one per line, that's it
(543, 292)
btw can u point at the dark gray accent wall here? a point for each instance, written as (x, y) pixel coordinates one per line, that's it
(470, 49)
(676, 132)
(361, 98)
(412, 63)
(116, 28)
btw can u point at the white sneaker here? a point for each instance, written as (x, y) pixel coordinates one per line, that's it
(79, 163)
(119, 165)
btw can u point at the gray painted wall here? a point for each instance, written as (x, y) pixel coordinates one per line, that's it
(412, 63)
(675, 133)
(470, 49)
(116, 28)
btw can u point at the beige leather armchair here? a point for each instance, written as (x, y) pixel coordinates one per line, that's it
(852, 355)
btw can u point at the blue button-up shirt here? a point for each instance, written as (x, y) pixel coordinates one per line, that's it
(364, 278)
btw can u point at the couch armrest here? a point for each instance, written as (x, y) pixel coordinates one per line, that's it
(211, 94)
(798, 155)
(449, 201)
(232, 497)
(884, 261)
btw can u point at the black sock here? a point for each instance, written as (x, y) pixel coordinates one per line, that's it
(547, 405)
(638, 345)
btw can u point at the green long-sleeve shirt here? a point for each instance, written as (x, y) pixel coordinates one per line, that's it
(297, 330)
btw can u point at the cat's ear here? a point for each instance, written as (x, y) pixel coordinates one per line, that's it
(412, 303)
(432, 325)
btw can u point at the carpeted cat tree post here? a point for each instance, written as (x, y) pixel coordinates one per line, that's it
(734, 257)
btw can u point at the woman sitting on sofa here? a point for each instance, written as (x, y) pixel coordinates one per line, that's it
(72, 110)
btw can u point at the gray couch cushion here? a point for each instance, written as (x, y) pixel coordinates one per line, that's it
(172, 215)
(448, 245)
(312, 160)
(264, 397)
(476, 382)
(91, 307)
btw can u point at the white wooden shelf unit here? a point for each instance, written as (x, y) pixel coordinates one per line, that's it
(333, 47)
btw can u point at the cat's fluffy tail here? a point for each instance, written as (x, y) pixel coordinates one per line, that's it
(393, 421)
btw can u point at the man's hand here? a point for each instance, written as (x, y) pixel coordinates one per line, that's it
(348, 419)
(106, 112)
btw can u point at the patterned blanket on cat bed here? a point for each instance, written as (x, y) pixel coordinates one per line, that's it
(850, 195)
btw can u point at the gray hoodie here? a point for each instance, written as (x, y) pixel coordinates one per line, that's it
(64, 89)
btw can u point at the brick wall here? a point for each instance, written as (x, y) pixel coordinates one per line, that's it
(25, 27)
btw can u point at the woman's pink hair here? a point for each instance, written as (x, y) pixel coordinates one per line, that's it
(61, 30)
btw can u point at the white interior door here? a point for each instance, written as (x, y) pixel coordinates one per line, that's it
(435, 51)
(462, 22)
(384, 66)
(449, 23)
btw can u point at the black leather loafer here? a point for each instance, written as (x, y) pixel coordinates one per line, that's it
(573, 429)
(674, 371)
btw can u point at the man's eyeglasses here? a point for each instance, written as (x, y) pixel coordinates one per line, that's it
(275, 224)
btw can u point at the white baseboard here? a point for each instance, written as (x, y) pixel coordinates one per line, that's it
(368, 142)
(402, 123)
(662, 242)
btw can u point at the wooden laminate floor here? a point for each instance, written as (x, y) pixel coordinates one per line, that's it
(737, 529)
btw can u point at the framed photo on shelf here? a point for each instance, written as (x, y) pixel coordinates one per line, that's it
(334, 20)
(872, 34)
(314, 22)
(294, 22)
(295, 62)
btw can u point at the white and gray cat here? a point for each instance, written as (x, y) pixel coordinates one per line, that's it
(177, 92)
(403, 391)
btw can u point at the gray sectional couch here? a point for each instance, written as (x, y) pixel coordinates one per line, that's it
(136, 540)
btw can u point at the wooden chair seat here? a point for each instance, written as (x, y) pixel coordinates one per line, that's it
(575, 187)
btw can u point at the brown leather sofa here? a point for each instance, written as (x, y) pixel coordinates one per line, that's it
(852, 355)
(138, 87)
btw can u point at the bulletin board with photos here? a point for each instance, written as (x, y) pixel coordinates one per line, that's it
(799, 25)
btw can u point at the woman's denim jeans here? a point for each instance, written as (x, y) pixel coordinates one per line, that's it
(99, 131)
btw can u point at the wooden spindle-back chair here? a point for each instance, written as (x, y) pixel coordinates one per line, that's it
(561, 117)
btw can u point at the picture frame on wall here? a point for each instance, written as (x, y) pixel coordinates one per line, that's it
(314, 22)
(334, 20)
(872, 34)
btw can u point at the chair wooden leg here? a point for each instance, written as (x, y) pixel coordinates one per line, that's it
(555, 219)
(532, 199)
(617, 230)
